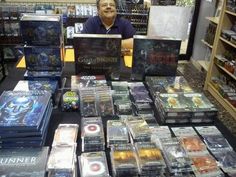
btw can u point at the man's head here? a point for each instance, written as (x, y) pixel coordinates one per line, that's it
(107, 9)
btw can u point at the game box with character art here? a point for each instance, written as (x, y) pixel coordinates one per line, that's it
(41, 29)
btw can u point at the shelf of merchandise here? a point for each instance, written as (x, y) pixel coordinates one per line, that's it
(213, 19)
(227, 105)
(227, 72)
(220, 45)
(227, 42)
(206, 43)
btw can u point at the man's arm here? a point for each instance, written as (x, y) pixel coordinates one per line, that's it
(127, 43)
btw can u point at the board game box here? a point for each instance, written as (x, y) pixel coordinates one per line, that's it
(23, 110)
(97, 54)
(155, 56)
(41, 29)
(44, 58)
(22, 162)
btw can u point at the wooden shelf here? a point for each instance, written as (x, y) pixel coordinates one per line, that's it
(228, 42)
(206, 43)
(227, 105)
(213, 19)
(226, 20)
(226, 71)
(231, 13)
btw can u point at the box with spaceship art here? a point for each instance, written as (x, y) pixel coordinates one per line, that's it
(41, 29)
(44, 58)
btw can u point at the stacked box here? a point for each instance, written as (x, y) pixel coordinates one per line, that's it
(92, 134)
(47, 86)
(93, 164)
(123, 160)
(44, 45)
(24, 118)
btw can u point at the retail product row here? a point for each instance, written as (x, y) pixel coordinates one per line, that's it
(145, 148)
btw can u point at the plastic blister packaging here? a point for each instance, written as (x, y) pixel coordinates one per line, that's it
(93, 164)
(66, 134)
(124, 162)
(117, 132)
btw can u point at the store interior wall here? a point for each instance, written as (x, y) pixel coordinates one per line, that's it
(207, 9)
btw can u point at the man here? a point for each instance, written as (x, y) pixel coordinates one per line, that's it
(107, 22)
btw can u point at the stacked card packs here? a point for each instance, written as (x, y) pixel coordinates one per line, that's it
(202, 109)
(66, 134)
(172, 108)
(88, 103)
(64, 149)
(24, 118)
(92, 134)
(116, 133)
(93, 164)
(121, 98)
(138, 130)
(62, 161)
(175, 156)
(150, 160)
(158, 84)
(219, 147)
(48, 86)
(124, 162)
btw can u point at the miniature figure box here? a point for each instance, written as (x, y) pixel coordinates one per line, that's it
(44, 58)
(155, 57)
(97, 54)
(41, 29)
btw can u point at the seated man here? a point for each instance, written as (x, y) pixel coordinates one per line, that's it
(107, 22)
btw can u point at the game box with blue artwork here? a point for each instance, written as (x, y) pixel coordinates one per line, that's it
(44, 58)
(41, 29)
(23, 110)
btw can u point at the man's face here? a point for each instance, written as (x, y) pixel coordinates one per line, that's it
(107, 9)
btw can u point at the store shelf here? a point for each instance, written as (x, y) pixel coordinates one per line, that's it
(231, 13)
(226, 71)
(206, 43)
(221, 46)
(227, 42)
(213, 19)
(227, 105)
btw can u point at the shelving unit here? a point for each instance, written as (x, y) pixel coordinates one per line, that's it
(217, 71)
(213, 19)
(206, 43)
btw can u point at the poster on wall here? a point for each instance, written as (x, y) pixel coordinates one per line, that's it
(169, 21)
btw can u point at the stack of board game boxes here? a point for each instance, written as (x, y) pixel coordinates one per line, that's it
(44, 46)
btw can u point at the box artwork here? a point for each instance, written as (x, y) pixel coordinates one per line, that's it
(40, 58)
(24, 85)
(41, 29)
(97, 54)
(22, 162)
(23, 110)
(153, 56)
